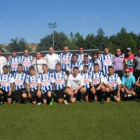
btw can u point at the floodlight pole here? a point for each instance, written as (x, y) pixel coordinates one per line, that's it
(52, 25)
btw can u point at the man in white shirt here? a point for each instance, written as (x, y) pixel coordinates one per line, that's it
(76, 84)
(38, 62)
(3, 62)
(52, 59)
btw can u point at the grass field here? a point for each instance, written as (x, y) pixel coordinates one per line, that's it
(78, 121)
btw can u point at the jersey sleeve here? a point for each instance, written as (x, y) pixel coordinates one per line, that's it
(52, 79)
(12, 80)
(38, 80)
(105, 80)
(82, 81)
(123, 80)
(27, 80)
(68, 82)
(119, 81)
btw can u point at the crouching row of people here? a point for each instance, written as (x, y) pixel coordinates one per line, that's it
(83, 86)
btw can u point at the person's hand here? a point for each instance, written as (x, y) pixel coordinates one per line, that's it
(98, 88)
(39, 92)
(75, 92)
(29, 95)
(9, 57)
(9, 94)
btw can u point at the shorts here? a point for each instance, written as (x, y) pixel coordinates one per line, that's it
(18, 94)
(5, 94)
(44, 96)
(114, 93)
(33, 95)
(60, 93)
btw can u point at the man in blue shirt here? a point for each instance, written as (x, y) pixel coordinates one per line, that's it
(128, 81)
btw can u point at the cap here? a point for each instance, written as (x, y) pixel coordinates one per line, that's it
(128, 49)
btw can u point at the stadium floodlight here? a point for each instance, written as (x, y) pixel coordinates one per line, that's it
(52, 25)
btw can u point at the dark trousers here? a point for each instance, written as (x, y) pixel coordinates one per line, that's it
(137, 74)
(120, 73)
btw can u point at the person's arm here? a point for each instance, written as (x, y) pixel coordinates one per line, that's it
(28, 90)
(137, 84)
(11, 89)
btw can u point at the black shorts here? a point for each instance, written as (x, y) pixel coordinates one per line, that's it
(44, 96)
(60, 93)
(114, 93)
(5, 94)
(33, 95)
(18, 94)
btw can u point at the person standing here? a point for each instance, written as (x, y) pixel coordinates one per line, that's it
(52, 59)
(38, 62)
(3, 62)
(118, 62)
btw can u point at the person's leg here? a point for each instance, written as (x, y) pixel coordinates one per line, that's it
(49, 96)
(108, 94)
(33, 97)
(82, 93)
(9, 99)
(44, 98)
(116, 98)
(92, 94)
(102, 94)
(38, 98)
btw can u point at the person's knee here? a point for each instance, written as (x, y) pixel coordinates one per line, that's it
(49, 94)
(24, 95)
(117, 99)
(72, 100)
(107, 90)
(60, 101)
(83, 90)
(103, 88)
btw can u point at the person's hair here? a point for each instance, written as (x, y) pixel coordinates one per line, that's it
(20, 65)
(1, 49)
(106, 47)
(138, 47)
(96, 65)
(81, 47)
(86, 66)
(74, 55)
(14, 50)
(119, 49)
(66, 46)
(58, 64)
(38, 52)
(51, 47)
(85, 55)
(5, 67)
(31, 68)
(76, 68)
(110, 67)
(44, 65)
(26, 49)
(94, 53)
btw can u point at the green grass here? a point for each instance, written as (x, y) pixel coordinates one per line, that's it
(78, 121)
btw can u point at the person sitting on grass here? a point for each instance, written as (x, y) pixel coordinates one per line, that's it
(128, 82)
(87, 80)
(7, 84)
(60, 79)
(113, 85)
(46, 85)
(97, 87)
(20, 94)
(33, 86)
(75, 84)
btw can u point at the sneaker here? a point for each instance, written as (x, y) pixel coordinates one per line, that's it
(65, 102)
(139, 101)
(1, 103)
(91, 101)
(82, 100)
(39, 103)
(102, 101)
(51, 103)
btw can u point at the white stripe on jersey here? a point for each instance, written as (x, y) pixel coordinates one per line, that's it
(6, 80)
(20, 79)
(89, 64)
(113, 80)
(33, 81)
(81, 57)
(46, 80)
(97, 61)
(65, 60)
(106, 61)
(87, 79)
(72, 65)
(13, 62)
(97, 78)
(59, 79)
(26, 62)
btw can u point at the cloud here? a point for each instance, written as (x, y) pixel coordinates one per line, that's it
(93, 17)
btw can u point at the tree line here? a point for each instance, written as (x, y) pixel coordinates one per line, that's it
(122, 40)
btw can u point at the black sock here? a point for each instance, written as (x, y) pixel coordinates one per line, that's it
(49, 99)
(1, 98)
(102, 95)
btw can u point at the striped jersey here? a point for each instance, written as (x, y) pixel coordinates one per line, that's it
(6, 80)
(112, 80)
(59, 79)
(106, 61)
(72, 65)
(65, 60)
(89, 64)
(26, 62)
(97, 61)
(13, 62)
(20, 79)
(81, 57)
(33, 81)
(97, 78)
(46, 80)
(86, 79)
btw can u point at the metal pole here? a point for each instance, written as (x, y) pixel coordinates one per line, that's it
(53, 38)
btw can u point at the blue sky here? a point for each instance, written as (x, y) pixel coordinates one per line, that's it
(29, 18)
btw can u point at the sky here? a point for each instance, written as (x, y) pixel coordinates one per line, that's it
(29, 18)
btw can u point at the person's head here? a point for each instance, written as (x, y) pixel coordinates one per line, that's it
(75, 71)
(74, 58)
(139, 51)
(95, 55)
(26, 52)
(20, 68)
(96, 67)
(106, 50)
(118, 52)
(86, 60)
(66, 49)
(38, 54)
(58, 67)
(85, 68)
(45, 68)
(14, 53)
(31, 70)
(110, 70)
(0, 51)
(5, 69)
(127, 72)
(51, 50)
(81, 49)
(128, 51)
